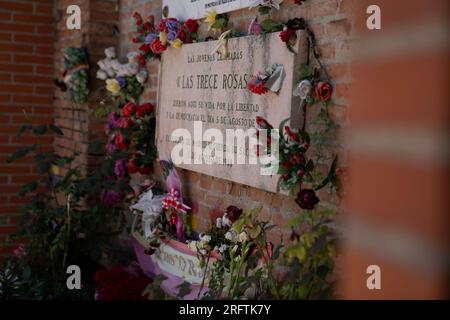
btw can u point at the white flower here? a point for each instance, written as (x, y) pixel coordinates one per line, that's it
(243, 237)
(230, 235)
(219, 223)
(110, 72)
(110, 52)
(225, 221)
(141, 77)
(205, 238)
(101, 75)
(223, 247)
(102, 64)
(303, 90)
(192, 245)
(203, 251)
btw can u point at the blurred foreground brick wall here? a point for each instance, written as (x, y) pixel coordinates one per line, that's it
(398, 211)
(26, 84)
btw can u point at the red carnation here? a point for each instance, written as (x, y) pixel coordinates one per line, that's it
(157, 46)
(137, 16)
(129, 109)
(291, 134)
(148, 26)
(286, 34)
(324, 90)
(191, 25)
(144, 48)
(262, 123)
(121, 142)
(133, 167)
(144, 109)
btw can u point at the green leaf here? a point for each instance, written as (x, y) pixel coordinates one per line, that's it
(56, 129)
(40, 130)
(29, 187)
(270, 25)
(21, 153)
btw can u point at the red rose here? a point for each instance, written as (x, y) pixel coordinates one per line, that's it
(324, 91)
(141, 59)
(191, 25)
(145, 170)
(135, 40)
(125, 123)
(144, 48)
(286, 34)
(286, 164)
(129, 109)
(121, 142)
(307, 199)
(133, 167)
(144, 109)
(300, 173)
(157, 46)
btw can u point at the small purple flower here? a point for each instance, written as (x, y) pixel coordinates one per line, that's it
(110, 198)
(113, 120)
(110, 148)
(150, 37)
(122, 81)
(172, 35)
(120, 169)
(173, 26)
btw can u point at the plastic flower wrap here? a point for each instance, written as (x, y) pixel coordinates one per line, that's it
(270, 80)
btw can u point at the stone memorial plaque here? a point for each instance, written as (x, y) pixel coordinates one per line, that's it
(199, 89)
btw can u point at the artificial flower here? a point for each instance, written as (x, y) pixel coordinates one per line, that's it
(243, 237)
(307, 199)
(113, 86)
(177, 44)
(110, 52)
(120, 169)
(222, 46)
(233, 213)
(125, 123)
(263, 123)
(324, 91)
(144, 109)
(142, 76)
(111, 197)
(150, 37)
(286, 34)
(191, 25)
(120, 141)
(210, 18)
(129, 109)
(303, 90)
(257, 84)
(255, 27)
(102, 75)
(132, 166)
(157, 46)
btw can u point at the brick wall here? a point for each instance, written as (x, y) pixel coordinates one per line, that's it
(26, 77)
(330, 21)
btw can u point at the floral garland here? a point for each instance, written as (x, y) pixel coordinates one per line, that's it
(75, 75)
